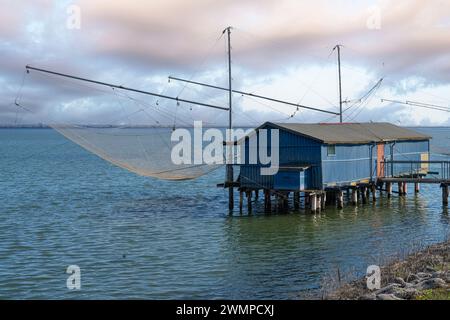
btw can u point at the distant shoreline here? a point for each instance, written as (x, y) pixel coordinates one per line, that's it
(43, 126)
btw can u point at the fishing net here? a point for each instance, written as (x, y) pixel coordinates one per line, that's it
(144, 151)
(129, 131)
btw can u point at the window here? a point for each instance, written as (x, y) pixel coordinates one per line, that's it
(331, 150)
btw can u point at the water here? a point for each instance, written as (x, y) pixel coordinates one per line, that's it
(136, 237)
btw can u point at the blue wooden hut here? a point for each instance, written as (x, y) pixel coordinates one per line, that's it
(324, 156)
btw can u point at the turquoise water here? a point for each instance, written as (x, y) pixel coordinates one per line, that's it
(136, 237)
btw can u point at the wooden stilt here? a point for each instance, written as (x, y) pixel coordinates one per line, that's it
(324, 200)
(319, 202)
(313, 202)
(374, 192)
(389, 189)
(241, 200)
(296, 200)
(416, 187)
(340, 199)
(354, 197)
(277, 202)
(249, 201)
(256, 194)
(364, 195)
(269, 201)
(405, 188)
(265, 200)
(444, 194)
(400, 188)
(286, 202)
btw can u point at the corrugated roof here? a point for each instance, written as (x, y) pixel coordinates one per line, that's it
(351, 133)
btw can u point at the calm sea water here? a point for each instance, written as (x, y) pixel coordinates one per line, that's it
(136, 237)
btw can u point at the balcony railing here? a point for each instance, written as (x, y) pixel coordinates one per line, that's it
(440, 170)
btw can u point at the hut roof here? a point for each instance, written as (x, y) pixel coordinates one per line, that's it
(351, 133)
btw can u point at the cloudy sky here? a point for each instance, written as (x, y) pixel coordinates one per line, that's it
(282, 49)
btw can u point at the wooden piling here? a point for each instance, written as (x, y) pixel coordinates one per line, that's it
(278, 202)
(364, 195)
(444, 194)
(296, 200)
(249, 201)
(389, 189)
(324, 200)
(286, 202)
(354, 197)
(400, 188)
(405, 188)
(241, 200)
(265, 200)
(374, 192)
(416, 187)
(313, 202)
(340, 199)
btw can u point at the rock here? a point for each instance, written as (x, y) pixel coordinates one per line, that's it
(370, 296)
(439, 274)
(410, 285)
(437, 259)
(387, 297)
(430, 269)
(405, 293)
(431, 284)
(388, 289)
(447, 278)
(400, 281)
(424, 275)
(412, 278)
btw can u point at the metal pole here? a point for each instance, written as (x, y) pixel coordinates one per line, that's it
(252, 95)
(124, 88)
(340, 82)
(229, 167)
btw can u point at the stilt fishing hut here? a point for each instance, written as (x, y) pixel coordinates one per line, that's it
(329, 159)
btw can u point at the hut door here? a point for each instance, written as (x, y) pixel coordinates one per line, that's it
(380, 159)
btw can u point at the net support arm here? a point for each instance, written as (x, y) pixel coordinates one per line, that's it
(253, 95)
(28, 68)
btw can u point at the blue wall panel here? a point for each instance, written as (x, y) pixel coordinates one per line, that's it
(289, 180)
(294, 151)
(350, 164)
(251, 177)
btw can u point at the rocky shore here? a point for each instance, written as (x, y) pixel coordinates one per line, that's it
(424, 275)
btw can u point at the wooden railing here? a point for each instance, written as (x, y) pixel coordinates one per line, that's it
(409, 168)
